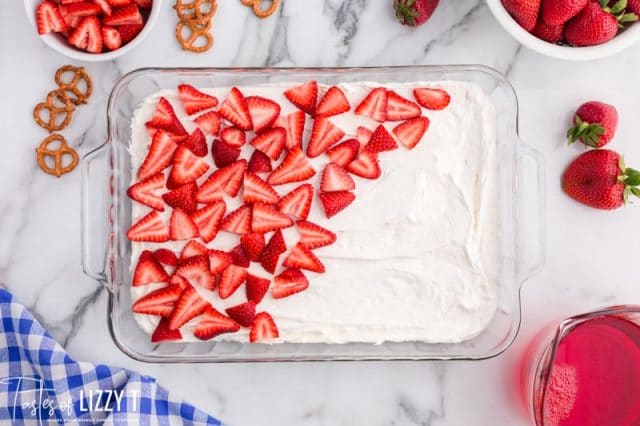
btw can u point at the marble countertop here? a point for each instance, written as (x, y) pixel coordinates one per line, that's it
(590, 254)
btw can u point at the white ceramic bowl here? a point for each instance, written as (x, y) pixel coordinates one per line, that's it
(623, 40)
(59, 44)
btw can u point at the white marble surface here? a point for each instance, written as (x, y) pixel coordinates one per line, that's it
(591, 255)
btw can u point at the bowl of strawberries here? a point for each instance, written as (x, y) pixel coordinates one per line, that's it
(92, 30)
(570, 29)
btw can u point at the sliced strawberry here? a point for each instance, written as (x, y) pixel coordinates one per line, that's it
(143, 4)
(305, 97)
(104, 6)
(365, 165)
(230, 280)
(252, 244)
(381, 141)
(410, 132)
(111, 38)
(227, 180)
(297, 203)
(163, 334)
(263, 328)
(87, 36)
(180, 281)
(272, 251)
(256, 288)
(213, 324)
(335, 178)
(191, 249)
(129, 32)
(323, 136)
(184, 197)
(164, 117)
(120, 3)
(196, 143)
(189, 306)
(293, 124)
(271, 142)
(335, 202)
(196, 270)
(233, 136)
(219, 261)
(209, 122)
(238, 221)
(127, 15)
(256, 189)
(72, 22)
(148, 270)
(294, 168)
(302, 258)
(239, 257)
(166, 257)
(243, 314)
(208, 220)
(267, 218)
(194, 100)
(224, 154)
(160, 155)
(374, 105)
(264, 112)
(435, 99)
(234, 109)
(144, 191)
(289, 282)
(313, 236)
(187, 167)
(259, 163)
(159, 302)
(399, 108)
(344, 153)
(49, 18)
(334, 102)
(181, 227)
(363, 135)
(150, 228)
(80, 9)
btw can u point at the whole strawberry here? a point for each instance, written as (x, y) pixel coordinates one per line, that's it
(595, 124)
(597, 23)
(414, 12)
(599, 179)
(525, 12)
(556, 12)
(551, 33)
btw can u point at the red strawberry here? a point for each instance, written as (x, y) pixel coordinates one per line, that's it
(194, 100)
(335, 202)
(239, 257)
(150, 228)
(208, 220)
(297, 203)
(381, 141)
(129, 32)
(293, 124)
(111, 38)
(289, 282)
(163, 334)
(234, 109)
(547, 32)
(159, 302)
(264, 328)
(294, 168)
(344, 153)
(238, 221)
(335, 178)
(434, 99)
(209, 122)
(165, 117)
(186, 166)
(213, 324)
(192, 249)
(595, 124)
(256, 189)
(181, 227)
(556, 13)
(227, 180)
(595, 25)
(230, 280)
(365, 165)
(219, 261)
(334, 102)
(144, 4)
(271, 142)
(304, 97)
(166, 257)
(399, 108)
(272, 251)
(633, 6)
(183, 197)
(233, 136)
(252, 244)
(120, 3)
(243, 314)
(259, 163)
(79, 9)
(600, 179)
(525, 12)
(87, 36)
(49, 19)
(224, 154)
(302, 258)
(144, 191)
(264, 112)
(256, 288)
(179, 281)
(148, 270)
(363, 135)
(196, 270)
(374, 105)
(127, 15)
(414, 12)
(160, 155)
(410, 132)
(104, 6)
(196, 143)
(267, 218)
(313, 236)
(189, 306)
(323, 136)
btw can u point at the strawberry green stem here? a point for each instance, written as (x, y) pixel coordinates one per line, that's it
(631, 180)
(618, 10)
(588, 133)
(406, 12)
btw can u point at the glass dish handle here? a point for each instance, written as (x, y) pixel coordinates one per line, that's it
(530, 190)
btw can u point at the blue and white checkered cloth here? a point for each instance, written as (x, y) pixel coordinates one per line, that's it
(41, 384)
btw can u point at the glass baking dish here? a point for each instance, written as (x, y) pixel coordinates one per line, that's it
(107, 216)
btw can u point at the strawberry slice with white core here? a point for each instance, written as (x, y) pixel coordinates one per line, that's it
(150, 228)
(252, 245)
(189, 306)
(259, 163)
(162, 332)
(209, 122)
(257, 190)
(294, 168)
(434, 99)
(224, 154)
(267, 218)
(297, 203)
(193, 248)
(302, 258)
(366, 165)
(294, 125)
(336, 178)
(48, 18)
(213, 324)
(79, 9)
(164, 117)
(271, 142)
(374, 105)
(149, 270)
(160, 155)
(196, 270)
(399, 108)
(181, 227)
(235, 110)
(263, 328)
(111, 38)
(219, 261)
(184, 197)
(345, 152)
(256, 288)
(243, 314)
(381, 141)
(87, 36)
(194, 101)
(313, 236)
(334, 102)
(334, 202)
(410, 132)
(227, 180)
(196, 142)
(289, 282)
(233, 136)
(144, 191)
(264, 112)
(105, 6)
(208, 220)
(323, 136)
(159, 302)
(363, 135)
(305, 96)
(187, 167)
(272, 251)
(127, 15)
(166, 257)
(230, 280)
(238, 221)
(180, 281)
